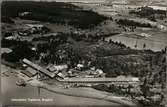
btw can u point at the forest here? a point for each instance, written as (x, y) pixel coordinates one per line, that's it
(54, 12)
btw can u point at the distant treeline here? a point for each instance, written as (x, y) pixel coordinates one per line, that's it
(149, 13)
(21, 49)
(126, 22)
(6, 19)
(56, 12)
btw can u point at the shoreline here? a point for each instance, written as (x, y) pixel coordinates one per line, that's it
(91, 93)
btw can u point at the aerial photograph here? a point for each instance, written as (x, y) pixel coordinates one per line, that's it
(83, 53)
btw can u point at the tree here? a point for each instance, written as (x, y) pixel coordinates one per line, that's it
(145, 88)
(144, 46)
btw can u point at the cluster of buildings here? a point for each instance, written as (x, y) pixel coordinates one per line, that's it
(74, 77)
(33, 29)
(27, 30)
(26, 13)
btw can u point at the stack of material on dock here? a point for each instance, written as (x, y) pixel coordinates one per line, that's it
(32, 71)
(27, 73)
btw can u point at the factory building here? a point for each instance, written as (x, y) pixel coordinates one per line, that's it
(38, 68)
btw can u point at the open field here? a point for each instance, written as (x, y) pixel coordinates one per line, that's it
(156, 41)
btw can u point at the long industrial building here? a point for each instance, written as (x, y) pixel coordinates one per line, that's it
(38, 68)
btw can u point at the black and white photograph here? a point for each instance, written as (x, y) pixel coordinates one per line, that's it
(83, 53)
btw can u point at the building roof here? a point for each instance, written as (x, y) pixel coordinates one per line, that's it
(57, 68)
(52, 69)
(38, 68)
(34, 25)
(60, 67)
(6, 50)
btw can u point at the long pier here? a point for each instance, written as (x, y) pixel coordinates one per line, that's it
(107, 81)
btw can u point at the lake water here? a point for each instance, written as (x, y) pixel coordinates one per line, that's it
(11, 91)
